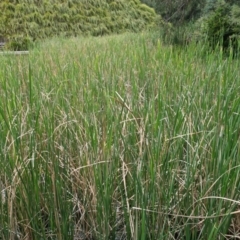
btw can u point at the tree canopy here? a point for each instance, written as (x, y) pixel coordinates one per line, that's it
(23, 21)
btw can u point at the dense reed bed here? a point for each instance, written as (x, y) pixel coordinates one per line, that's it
(119, 137)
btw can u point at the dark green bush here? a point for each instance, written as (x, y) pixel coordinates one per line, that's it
(19, 43)
(222, 27)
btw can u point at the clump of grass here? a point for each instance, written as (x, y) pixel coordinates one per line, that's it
(119, 136)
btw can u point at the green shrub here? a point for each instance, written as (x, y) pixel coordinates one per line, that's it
(19, 43)
(222, 27)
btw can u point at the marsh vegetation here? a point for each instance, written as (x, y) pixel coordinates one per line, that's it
(119, 136)
(128, 136)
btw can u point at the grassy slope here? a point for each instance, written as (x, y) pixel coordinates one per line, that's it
(119, 128)
(24, 20)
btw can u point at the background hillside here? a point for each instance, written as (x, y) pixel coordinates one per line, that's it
(23, 21)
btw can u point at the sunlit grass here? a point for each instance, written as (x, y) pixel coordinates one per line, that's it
(120, 135)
